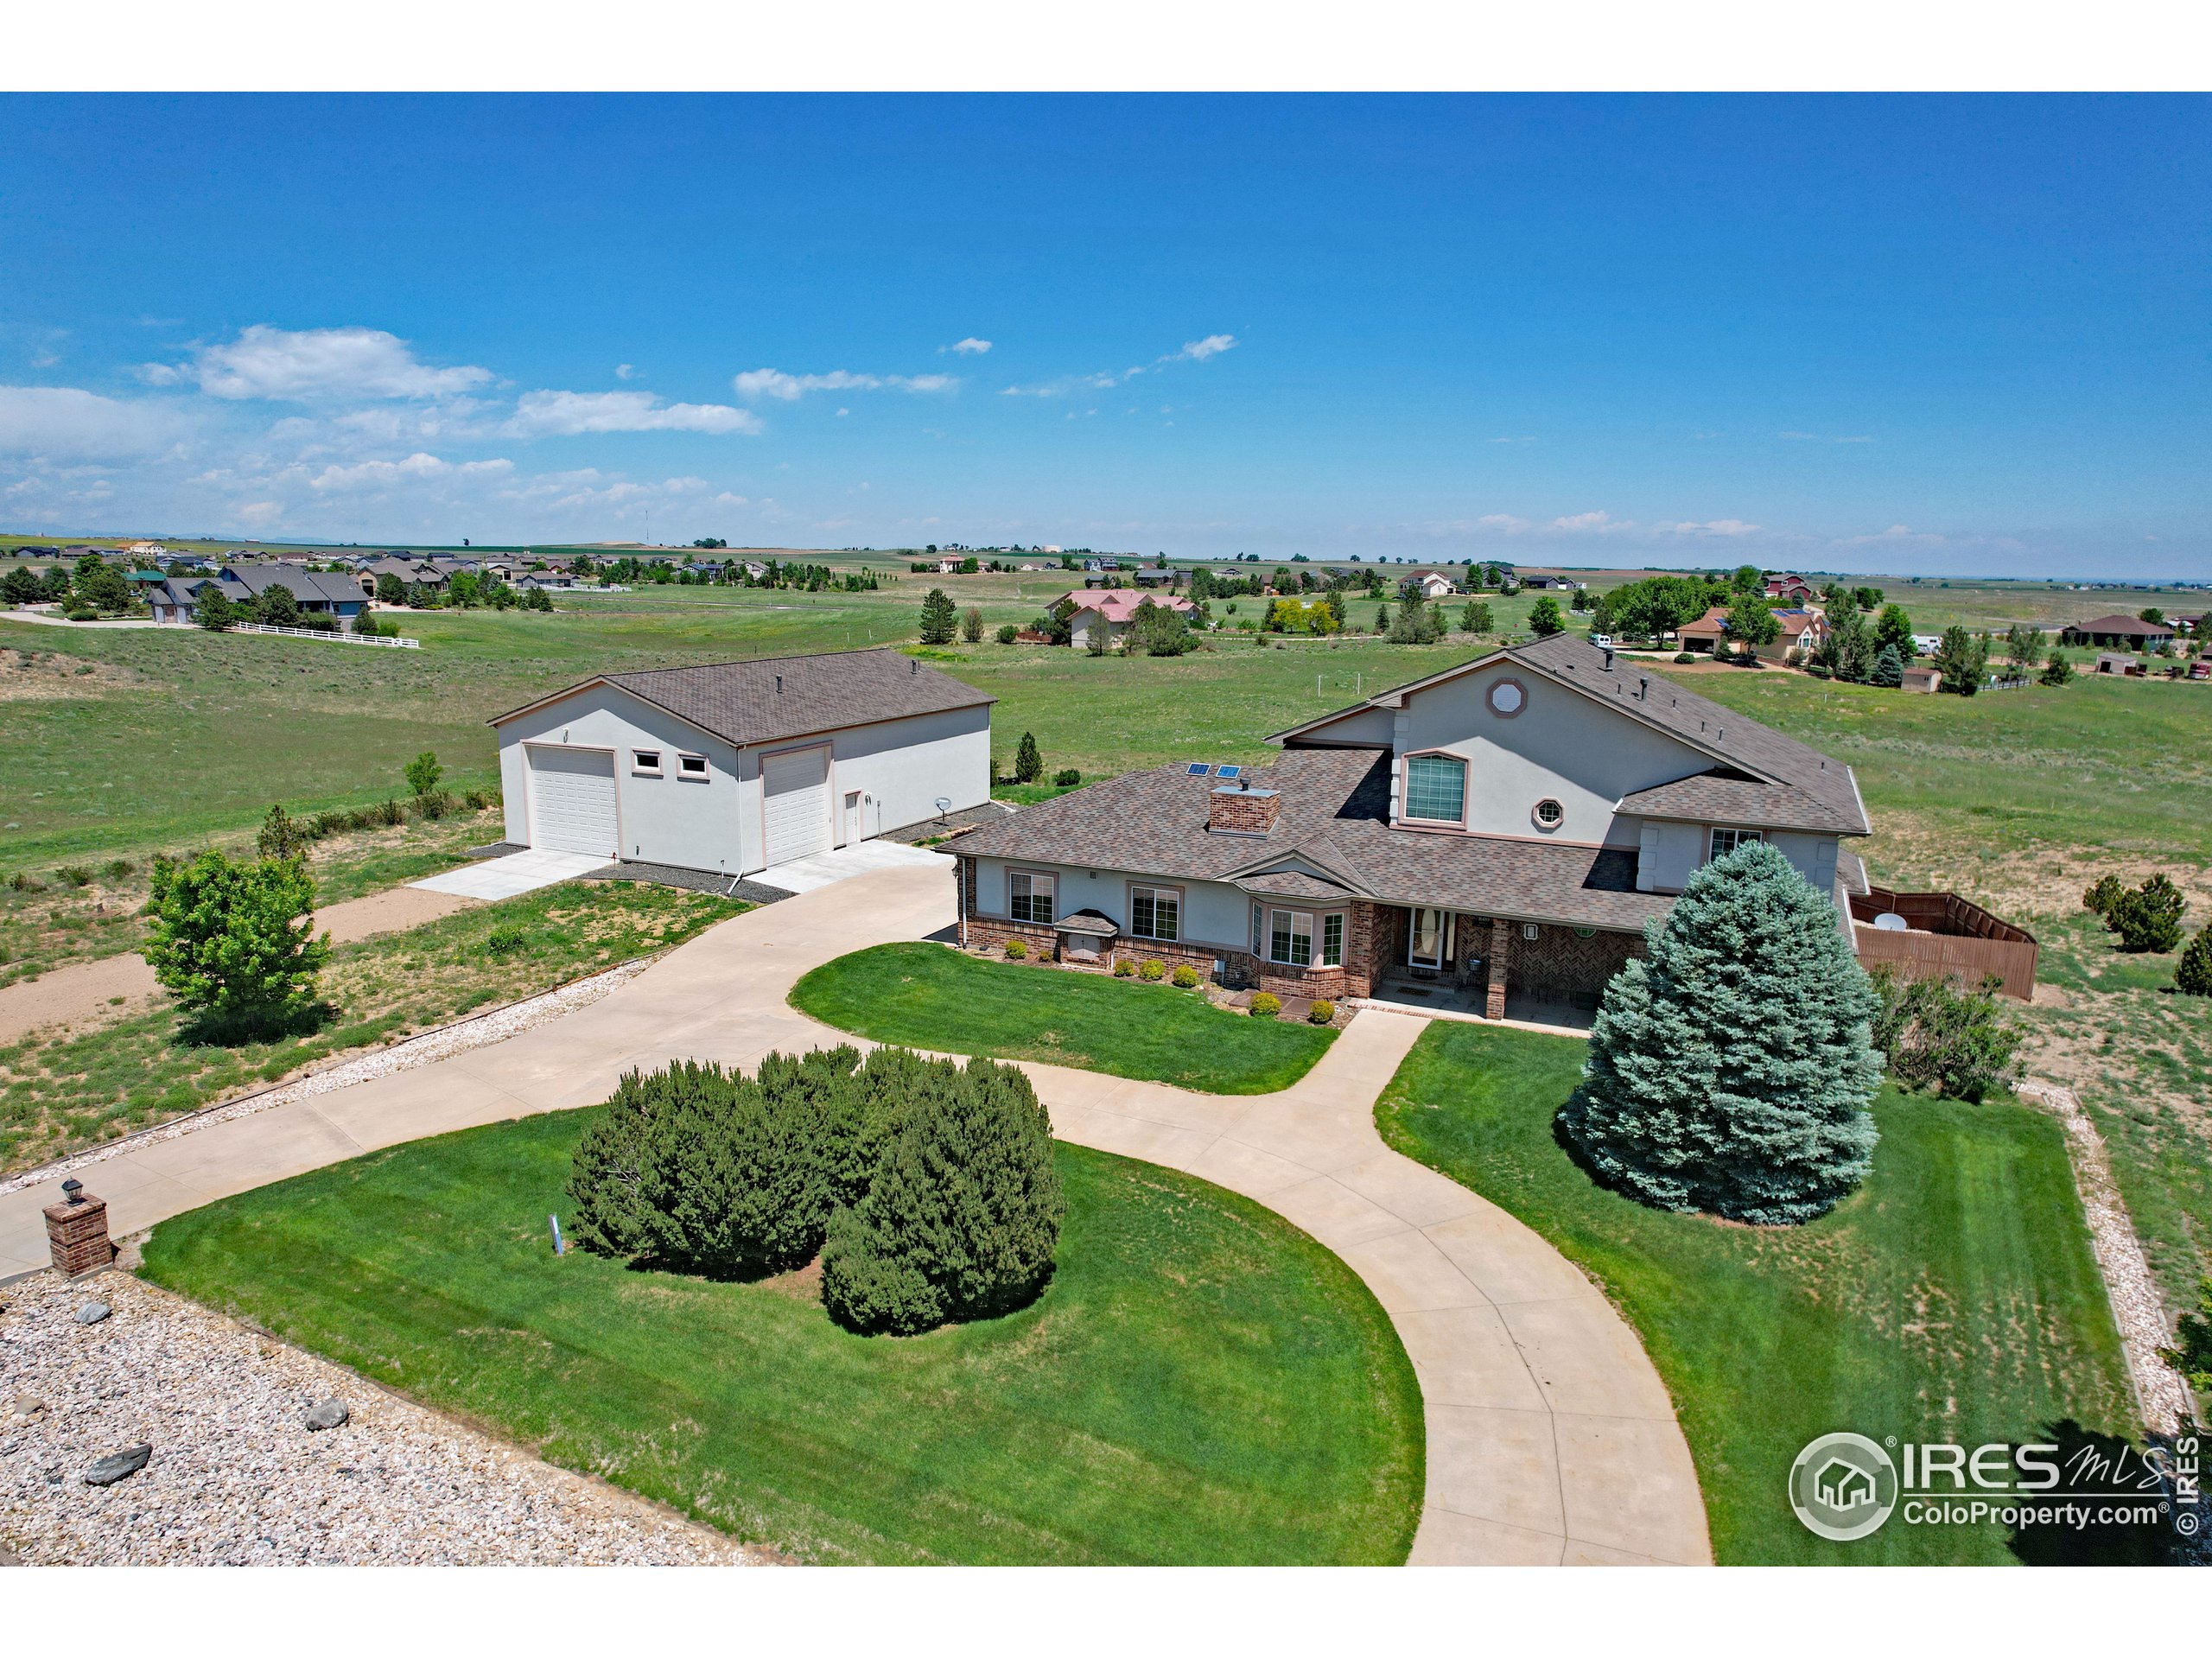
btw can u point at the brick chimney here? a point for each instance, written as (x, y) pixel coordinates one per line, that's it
(1238, 809)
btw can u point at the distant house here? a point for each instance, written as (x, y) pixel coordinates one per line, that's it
(1428, 584)
(1707, 633)
(1922, 679)
(1160, 576)
(2193, 623)
(1795, 589)
(1111, 610)
(1801, 632)
(318, 593)
(2120, 633)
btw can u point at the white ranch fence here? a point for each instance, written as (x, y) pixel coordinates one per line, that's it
(394, 640)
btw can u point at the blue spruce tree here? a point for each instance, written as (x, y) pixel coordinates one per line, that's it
(1730, 1068)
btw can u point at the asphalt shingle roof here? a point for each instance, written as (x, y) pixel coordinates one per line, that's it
(1333, 817)
(770, 698)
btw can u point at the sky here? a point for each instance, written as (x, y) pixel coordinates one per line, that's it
(1942, 335)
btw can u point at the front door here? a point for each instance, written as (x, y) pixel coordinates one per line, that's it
(1428, 937)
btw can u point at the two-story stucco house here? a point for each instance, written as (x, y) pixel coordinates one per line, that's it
(1506, 827)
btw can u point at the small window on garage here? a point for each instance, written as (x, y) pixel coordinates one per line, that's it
(646, 762)
(693, 767)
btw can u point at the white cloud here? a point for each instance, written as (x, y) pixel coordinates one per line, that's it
(970, 346)
(69, 423)
(1589, 524)
(383, 475)
(567, 414)
(309, 364)
(1714, 527)
(1198, 351)
(626, 370)
(1502, 521)
(790, 388)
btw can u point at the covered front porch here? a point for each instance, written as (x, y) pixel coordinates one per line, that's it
(1430, 959)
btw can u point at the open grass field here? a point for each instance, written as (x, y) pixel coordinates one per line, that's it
(62, 1089)
(1954, 1298)
(121, 744)
(1199, 1383)
(926, 996)
(2020, 800)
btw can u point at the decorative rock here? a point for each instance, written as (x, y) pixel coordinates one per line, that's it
(93, 1313)
(329, 1414)
(27, 1405)
(119, 1465)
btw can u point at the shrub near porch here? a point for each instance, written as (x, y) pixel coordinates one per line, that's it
(926, 996)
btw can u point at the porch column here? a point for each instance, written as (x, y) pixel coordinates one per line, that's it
(1501, 946)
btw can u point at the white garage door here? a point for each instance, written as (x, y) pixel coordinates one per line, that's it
(572, 801)
(797, 785)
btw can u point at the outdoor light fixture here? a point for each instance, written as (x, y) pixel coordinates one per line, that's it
(72, 1191)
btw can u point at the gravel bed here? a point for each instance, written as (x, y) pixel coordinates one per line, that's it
(235, 1476)
(446, 1041)
(2137, 1308)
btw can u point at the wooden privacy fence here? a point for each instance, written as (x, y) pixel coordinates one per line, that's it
(1944, 936)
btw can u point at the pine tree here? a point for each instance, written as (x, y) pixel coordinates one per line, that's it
(1888, 669)
(1028, 764)
(940, 618)
(2058, 671)
(962, 1214)
(606, 1181)
(735, 1177)
(1729, 1068)
(2193, 974)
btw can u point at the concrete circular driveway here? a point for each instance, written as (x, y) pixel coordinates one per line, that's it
(1551, 1437)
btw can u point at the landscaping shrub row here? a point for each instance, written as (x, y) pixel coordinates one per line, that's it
(927, 1188)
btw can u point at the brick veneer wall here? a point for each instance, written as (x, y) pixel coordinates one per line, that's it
(1558, 967)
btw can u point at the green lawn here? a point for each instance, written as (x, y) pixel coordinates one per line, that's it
(1200, 1382)
(1954, 1298)
(62, 1088)
(926, 996)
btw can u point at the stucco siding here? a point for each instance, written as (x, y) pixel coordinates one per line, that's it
(1561, 746)
(664, 820)
(898, 768)
(1213, 912)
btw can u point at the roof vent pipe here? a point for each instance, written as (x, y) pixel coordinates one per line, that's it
(1609, 659)
(779, 685)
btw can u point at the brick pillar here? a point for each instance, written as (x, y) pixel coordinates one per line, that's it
(1501, 947)
(76, 1232)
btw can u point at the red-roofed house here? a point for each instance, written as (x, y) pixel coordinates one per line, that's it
(1112, 609)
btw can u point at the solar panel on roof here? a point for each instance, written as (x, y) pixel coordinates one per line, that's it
(1196, 769)
(1227, 771)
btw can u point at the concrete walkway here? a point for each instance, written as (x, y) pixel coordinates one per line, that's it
(493, 879)
(822, 869)
(1550, 1437)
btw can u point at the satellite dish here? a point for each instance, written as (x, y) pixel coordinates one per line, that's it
(1890, 922)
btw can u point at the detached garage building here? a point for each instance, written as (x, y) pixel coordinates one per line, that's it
(736, 766)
